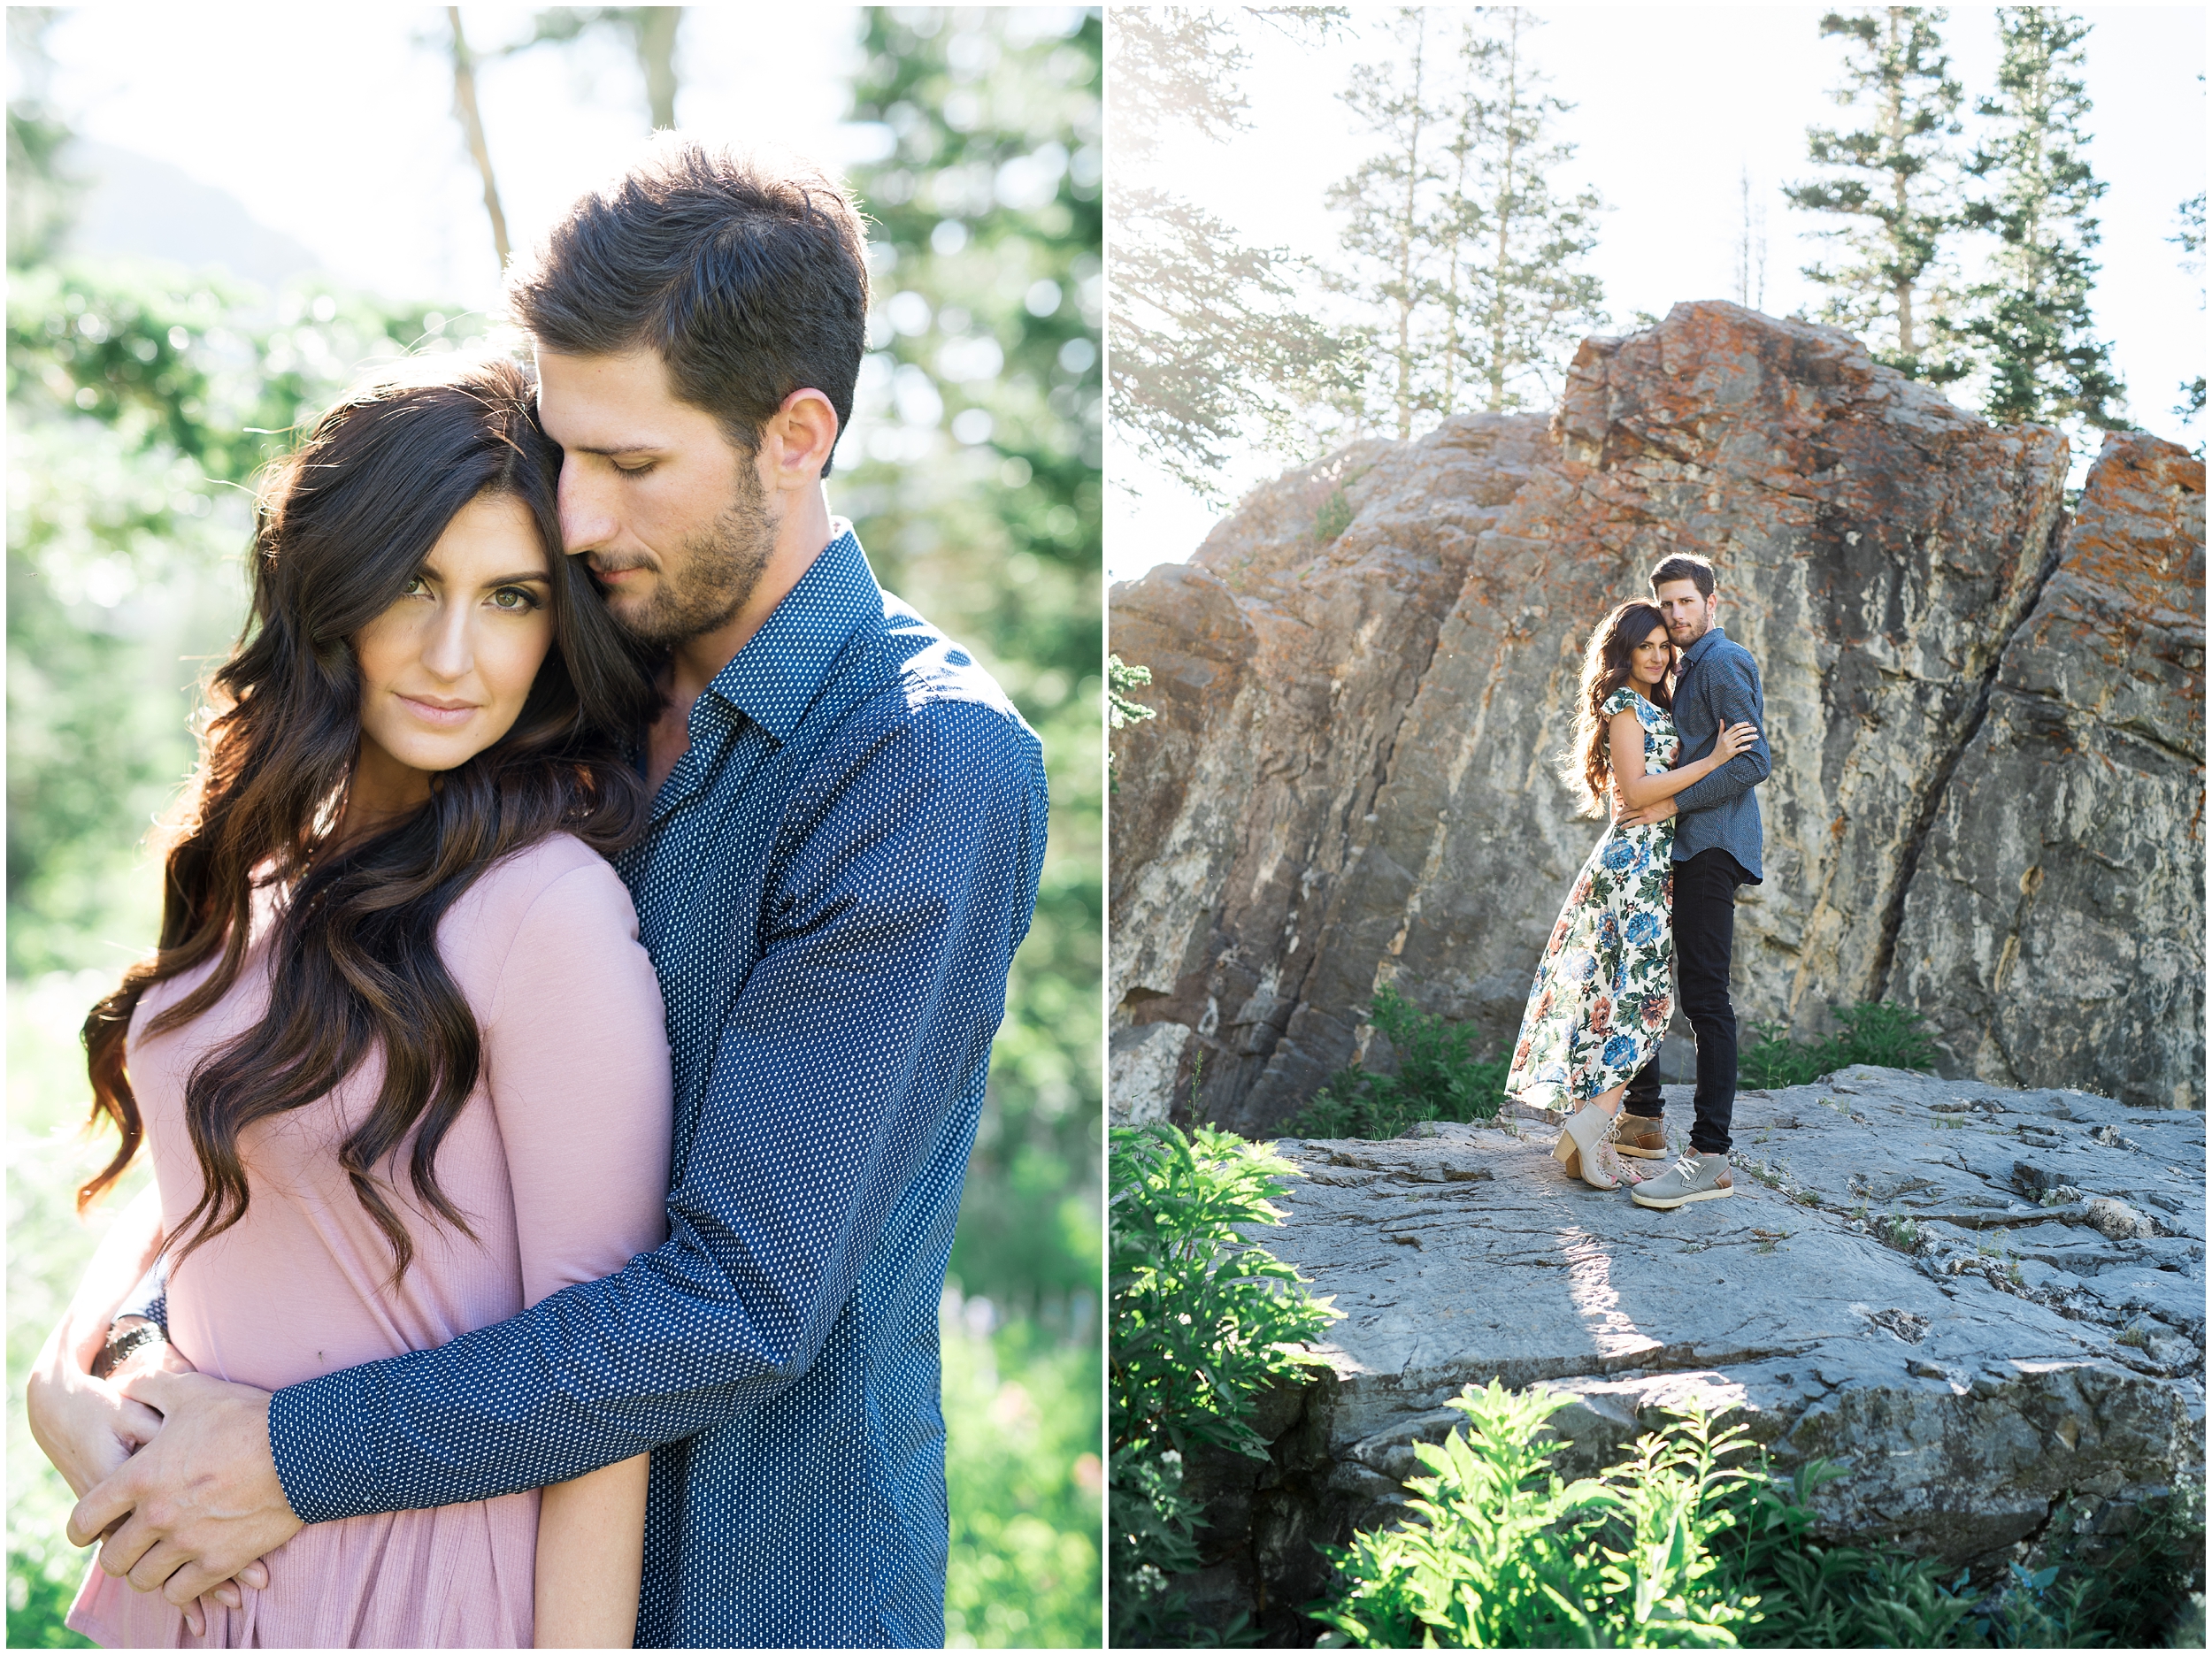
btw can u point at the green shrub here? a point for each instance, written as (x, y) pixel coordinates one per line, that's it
(1502, 1554)
(1673, 1548)
(1874, 1032)
(1439, 1078)
(1334, 516)
(1202, 1321)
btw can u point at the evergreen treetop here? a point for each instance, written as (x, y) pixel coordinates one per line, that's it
(2029, 321)
(1461, 247)
(1895, 183)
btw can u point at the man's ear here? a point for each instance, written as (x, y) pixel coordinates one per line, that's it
(797, 440)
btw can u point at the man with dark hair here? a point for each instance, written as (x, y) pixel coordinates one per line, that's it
(841, 858)
(1717, 846)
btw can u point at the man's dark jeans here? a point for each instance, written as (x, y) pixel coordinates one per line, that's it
(1704, 943)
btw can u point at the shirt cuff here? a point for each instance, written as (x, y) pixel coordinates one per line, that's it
(322, 1465)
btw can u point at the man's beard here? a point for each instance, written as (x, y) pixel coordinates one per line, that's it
(720, 569)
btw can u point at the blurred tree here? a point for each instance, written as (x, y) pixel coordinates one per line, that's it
(1898, 188)
(648, 30)
(2029, 321)
(972, 471)
(472, 121)
(37, 186)
(1210, 339)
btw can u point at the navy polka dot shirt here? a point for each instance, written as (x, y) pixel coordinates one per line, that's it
(834, 884)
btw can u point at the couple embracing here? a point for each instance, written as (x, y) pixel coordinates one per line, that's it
(578, 966)
(1667, 730)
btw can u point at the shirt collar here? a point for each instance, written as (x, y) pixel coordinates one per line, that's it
(1690, 655)
(774, 677)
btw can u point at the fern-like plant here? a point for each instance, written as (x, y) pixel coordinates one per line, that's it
(1204, 1320)
(1439, 1078)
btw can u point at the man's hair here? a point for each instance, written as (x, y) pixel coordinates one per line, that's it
(746, 272)
(1684, 566)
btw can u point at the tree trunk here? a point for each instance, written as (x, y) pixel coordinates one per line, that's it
(1507, 209)
(1899, 178)
(473, 124)
(1406, 231)
(657, 56)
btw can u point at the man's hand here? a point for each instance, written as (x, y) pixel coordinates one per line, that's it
(1658, 811)
(200, 1502)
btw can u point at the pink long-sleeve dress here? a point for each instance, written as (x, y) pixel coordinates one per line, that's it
(560, 1160)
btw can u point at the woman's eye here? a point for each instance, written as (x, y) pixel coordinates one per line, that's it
(636, 470)
(417, 586)
(514, 599)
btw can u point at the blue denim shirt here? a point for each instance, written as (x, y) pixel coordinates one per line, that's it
(831, 888)
(1719, 684)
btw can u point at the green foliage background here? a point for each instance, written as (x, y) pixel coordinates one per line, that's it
(144, 398)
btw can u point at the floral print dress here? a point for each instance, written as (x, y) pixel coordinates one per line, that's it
(1602, 994)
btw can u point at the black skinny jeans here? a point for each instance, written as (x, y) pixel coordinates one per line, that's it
(1704, 944)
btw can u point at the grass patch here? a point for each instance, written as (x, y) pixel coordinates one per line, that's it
(1878, 1032)
(1023, 1474)
(1439, 1078)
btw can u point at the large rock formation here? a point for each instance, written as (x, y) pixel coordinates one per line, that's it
(2055, 925)
(1988, 1306)
(1985, 720)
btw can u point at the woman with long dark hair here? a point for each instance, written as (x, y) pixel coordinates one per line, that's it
(1600, 1003)
(399, 1060)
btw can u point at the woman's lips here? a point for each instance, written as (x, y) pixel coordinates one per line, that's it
(444, 717)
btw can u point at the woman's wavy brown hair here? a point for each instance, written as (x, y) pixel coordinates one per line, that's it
(342, 525)
(1587, 764)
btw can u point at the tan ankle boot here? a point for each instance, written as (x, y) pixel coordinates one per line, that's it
(1642, 1136)
(1578, 1147)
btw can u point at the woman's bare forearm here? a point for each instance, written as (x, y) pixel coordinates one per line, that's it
(591, 1555)
(1637, 789)
(1649, 790)
(120, 1264)
(82, 1426)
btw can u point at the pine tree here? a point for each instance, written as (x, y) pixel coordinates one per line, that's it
(2031, 321)
(1209, 341)
(1389, 206)
(1897, 187)
(1524, 304)
(1461, 243)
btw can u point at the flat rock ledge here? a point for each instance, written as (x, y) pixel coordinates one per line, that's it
(1988, 1305)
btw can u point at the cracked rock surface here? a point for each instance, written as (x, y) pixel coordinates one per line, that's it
(1983, 1302)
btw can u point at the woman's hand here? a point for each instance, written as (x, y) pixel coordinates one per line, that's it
(87, 1427)
(1735, 738)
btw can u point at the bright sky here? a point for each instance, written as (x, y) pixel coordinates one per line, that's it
(1673, 102)
(334, 123)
